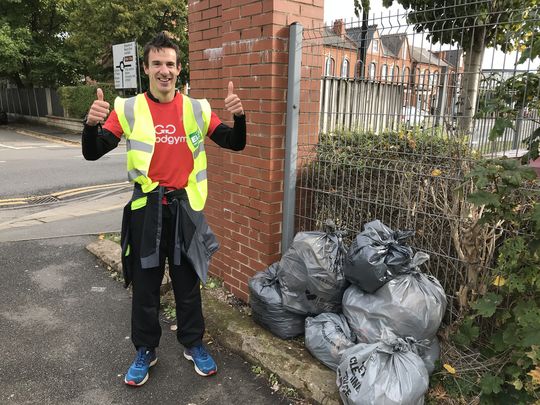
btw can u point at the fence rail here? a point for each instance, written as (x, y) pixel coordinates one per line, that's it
(35, 102)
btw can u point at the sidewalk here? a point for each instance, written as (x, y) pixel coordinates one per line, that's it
(65, 336)
(45, 131)
(288, 360)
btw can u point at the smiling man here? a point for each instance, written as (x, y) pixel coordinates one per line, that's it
(166, 160)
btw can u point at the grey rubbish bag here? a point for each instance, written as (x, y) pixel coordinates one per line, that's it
(384, 373)
(376, 255)
(327, 336)
(310, 272)
(430, 353)
(412, 304)
(267, 308)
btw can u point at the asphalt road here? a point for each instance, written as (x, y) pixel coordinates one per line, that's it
(64, 333)
(32, 166)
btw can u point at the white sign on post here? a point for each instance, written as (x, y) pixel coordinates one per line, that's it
(125, 65)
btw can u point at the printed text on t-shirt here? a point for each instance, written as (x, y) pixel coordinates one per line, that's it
(165, 134)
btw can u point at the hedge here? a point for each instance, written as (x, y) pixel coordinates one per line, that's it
(76, 100)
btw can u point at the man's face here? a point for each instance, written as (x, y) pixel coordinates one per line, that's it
(162, 71)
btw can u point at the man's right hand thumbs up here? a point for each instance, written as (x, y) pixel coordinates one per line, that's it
(232, 101)
(98, 111)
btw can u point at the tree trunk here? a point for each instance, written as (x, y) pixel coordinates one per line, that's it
(471, 80)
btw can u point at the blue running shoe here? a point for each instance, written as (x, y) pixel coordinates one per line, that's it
(138, 372)
(204, 363)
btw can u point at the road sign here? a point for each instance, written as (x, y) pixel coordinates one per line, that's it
(125, 65)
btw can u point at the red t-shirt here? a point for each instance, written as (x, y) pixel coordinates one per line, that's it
(172, 161)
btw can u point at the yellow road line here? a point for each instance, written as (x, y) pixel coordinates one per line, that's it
(62, 194)
(80, 190)
(14, 199)
(11, 202)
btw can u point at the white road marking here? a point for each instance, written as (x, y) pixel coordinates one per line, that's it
(7, 146)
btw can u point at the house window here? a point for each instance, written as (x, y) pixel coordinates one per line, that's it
(384, 72)
(391, 73)
(329, 68)
(375, 46)
(345, 68)
(395, 74)
(372, 70)
(405, 77)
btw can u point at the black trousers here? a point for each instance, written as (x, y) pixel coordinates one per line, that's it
(145, 327)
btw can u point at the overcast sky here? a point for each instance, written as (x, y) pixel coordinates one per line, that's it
(334, 9)
(344, 9)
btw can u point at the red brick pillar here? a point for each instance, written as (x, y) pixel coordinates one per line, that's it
(246, 41)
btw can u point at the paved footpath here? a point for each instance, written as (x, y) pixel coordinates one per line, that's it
(64, 333)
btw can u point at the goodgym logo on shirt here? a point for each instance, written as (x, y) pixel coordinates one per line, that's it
(166, 134)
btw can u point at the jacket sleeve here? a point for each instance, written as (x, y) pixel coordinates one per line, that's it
(97, 141)
(231, 138)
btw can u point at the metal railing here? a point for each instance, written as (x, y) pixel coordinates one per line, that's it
(34, 102)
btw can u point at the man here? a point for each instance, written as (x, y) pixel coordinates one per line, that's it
(165, 133)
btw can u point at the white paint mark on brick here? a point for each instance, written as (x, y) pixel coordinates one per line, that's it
(213, 53)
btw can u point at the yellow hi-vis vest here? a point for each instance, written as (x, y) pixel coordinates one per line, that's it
(136, 121)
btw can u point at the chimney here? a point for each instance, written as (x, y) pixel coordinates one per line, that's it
(339, 28)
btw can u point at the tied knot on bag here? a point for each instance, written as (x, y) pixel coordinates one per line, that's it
(331, 230)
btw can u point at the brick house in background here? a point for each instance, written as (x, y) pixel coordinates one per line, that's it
(340, 51)
(427, 76)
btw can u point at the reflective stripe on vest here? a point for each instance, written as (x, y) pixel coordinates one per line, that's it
(141, 138)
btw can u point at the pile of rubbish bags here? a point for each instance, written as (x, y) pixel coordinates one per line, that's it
(366, 311)
(307, 281)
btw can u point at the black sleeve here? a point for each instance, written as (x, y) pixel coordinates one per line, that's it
(97, 141)
(231, 138)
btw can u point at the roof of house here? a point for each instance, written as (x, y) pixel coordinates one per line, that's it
(421, 55)
(355, 34)
(330, 38)
(392, 44)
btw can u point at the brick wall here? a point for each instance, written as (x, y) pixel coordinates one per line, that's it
(246, 41)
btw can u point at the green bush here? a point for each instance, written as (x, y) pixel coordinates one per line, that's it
(76, 100)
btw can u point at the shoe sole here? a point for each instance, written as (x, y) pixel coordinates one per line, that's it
(187, 356)
(134, 384)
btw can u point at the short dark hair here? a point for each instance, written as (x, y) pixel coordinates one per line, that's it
(160, 41)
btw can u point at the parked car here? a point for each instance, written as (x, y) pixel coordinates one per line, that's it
(413, 116)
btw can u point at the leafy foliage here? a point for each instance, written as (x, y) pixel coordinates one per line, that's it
(32, 43)
(498, 22)
(94, 26)
(77, 99)
(508, 100)
(61, 42)
(508, 192)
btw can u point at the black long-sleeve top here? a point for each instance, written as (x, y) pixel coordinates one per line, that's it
(97, 141)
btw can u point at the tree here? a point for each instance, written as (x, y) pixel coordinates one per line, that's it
(32, 43)
(94, 26)
(474, 25)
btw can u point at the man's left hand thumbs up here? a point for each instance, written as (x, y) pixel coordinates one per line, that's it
(232, 101)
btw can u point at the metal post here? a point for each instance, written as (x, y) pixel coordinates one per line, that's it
(139, 89)
(291, 134)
